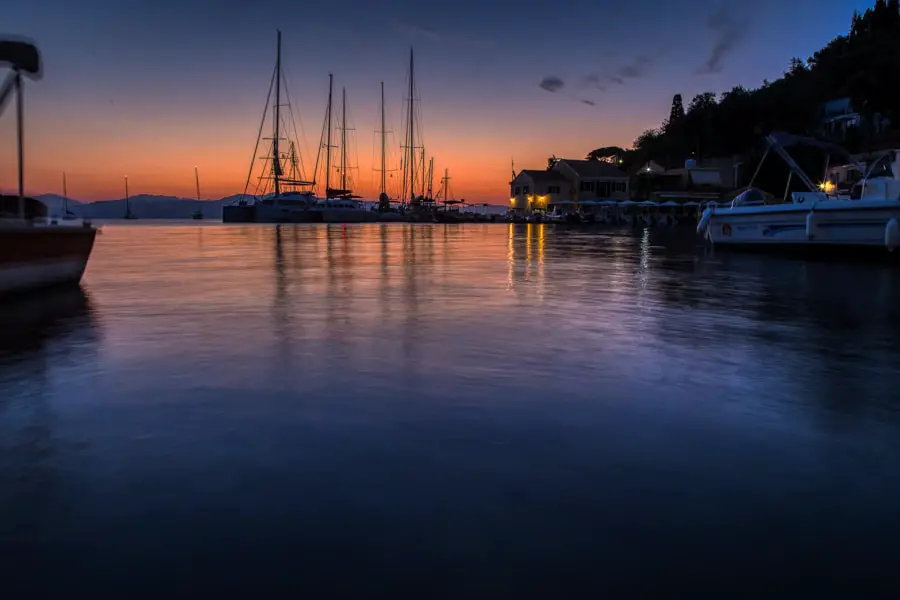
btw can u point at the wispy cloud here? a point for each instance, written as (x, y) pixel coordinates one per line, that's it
(634, 69)
(433, 34)
(592, 81)
(552, 83)
(728, 32)
(589, 102)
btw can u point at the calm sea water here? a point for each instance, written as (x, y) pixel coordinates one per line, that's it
(452, 411)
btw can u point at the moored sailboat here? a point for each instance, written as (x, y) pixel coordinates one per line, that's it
(340, 205)
(290, 198)
(128, 213)
(35, 251)
(198, 213)
(67, 215)
(417, 206)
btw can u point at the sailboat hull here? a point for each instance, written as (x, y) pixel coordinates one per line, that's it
(290, 213)
(349, 216)
(33, 257)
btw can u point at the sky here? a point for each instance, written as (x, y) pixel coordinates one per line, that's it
(150, 90)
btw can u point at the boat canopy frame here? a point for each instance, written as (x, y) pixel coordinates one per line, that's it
(780, 140)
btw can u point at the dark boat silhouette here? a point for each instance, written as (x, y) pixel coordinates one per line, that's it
(35, 251)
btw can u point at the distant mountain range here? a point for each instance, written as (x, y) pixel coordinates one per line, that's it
(144, 206)
(148, 206)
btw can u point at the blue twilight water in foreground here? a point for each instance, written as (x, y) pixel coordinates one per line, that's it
(448, 410)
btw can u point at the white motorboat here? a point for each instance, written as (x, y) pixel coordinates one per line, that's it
(817, 218)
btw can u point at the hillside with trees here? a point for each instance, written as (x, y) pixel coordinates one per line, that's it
(863, 65)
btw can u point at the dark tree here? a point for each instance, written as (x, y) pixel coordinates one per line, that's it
(677, 112)
(863, 65)
(606, 153)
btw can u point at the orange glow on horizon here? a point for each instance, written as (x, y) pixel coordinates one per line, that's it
(159, 155)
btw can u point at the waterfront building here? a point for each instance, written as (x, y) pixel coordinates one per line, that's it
(567, 185)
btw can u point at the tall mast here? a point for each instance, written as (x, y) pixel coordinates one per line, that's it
(328, 138)
(276, 158)
(127, 206)
(431, 178)
(446, 186)
(65, 196)
(422, 170)
(411, 135)
(383, 140)
(20, 140)
(197, 177)
(343, 138)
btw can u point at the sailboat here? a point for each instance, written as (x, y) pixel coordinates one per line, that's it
(340, 205)
(384, 201)
(385, 212)
(198, 214)
(413, 163)
(291, 199)
(68, 215)
(128, 213)
(36, 252)
(450, 212)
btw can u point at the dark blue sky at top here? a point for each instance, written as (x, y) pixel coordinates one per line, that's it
(478, 62)
(192, 42)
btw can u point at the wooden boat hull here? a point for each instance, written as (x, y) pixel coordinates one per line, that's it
(33, 257)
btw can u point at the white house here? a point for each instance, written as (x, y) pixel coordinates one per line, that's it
(569, 182)
(593, 180)
(534, 190)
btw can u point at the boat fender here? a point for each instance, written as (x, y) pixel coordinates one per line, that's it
(892, 234)
(703, 225)
(812, 225)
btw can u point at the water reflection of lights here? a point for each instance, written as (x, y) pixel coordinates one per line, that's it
(645, 257)
(511, 258)
(540, 258)
(532, 268)
(529, 231)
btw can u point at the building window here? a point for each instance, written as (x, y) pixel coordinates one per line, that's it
(620, 186)
(553, 189)
(518, 191)
(587, 186)
(603, 189)
(526, 190)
